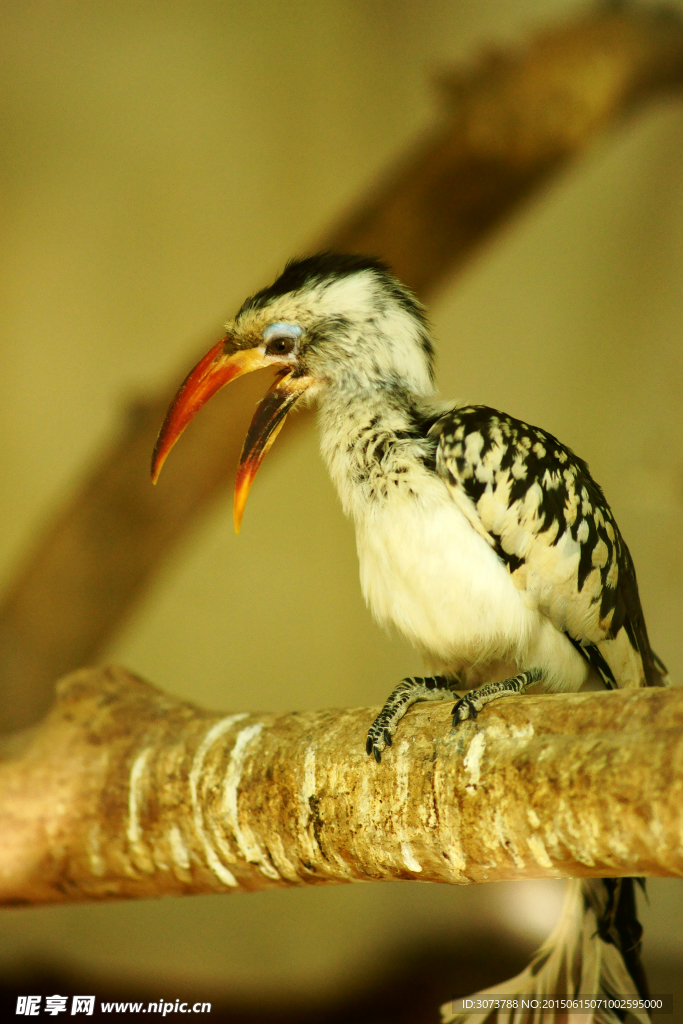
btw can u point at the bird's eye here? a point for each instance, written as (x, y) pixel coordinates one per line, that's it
(280, 347)
(281, 339)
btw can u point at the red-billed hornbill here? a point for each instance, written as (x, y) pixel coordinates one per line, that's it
(484, 540)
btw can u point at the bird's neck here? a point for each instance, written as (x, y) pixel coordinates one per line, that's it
(374, 441)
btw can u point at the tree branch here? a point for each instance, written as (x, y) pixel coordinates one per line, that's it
(124, 791)
(511, 124)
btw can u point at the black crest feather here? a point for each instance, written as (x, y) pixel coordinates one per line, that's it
(310, 270)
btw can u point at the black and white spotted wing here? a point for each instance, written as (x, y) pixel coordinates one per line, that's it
(536, 503)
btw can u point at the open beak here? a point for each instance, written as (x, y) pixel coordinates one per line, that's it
(211, 373)
(267, 423)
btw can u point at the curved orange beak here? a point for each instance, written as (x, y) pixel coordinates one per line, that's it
(211, 373)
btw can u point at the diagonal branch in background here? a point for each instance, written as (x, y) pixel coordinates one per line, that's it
(124, 791)
(511, 123)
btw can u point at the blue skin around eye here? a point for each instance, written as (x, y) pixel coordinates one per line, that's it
(282, 331)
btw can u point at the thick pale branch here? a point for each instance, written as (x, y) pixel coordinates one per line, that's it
(123, 791)
(510, 124)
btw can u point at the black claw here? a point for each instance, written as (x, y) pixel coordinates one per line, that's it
(378, 756)
(368, 745)
(387, 737)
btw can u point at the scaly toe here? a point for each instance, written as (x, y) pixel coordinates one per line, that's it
(375, 744)
(463, 710)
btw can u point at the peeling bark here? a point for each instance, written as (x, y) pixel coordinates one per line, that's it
(510, 124)
(123, 791)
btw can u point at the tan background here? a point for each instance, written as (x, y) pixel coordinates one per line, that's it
(159, 161)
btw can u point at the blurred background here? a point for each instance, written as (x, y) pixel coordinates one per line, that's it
(161, 160)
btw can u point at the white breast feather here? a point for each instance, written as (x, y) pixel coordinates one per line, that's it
(427, 572)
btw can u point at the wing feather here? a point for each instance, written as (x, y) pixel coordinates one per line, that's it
(538, 506)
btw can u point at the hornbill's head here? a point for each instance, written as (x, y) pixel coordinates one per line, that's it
(329, 323)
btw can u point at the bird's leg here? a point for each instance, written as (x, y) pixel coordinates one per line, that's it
(408, 692)
(469, 705)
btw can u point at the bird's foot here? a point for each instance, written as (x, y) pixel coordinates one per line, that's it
(472, 703)
(466, 707)
(408, 692)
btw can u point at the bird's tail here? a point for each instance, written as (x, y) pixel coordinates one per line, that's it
(594, 951)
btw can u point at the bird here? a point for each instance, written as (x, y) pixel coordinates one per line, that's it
(481, 538)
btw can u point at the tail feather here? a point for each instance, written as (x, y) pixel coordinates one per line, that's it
(594, 950)
(664, 679)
